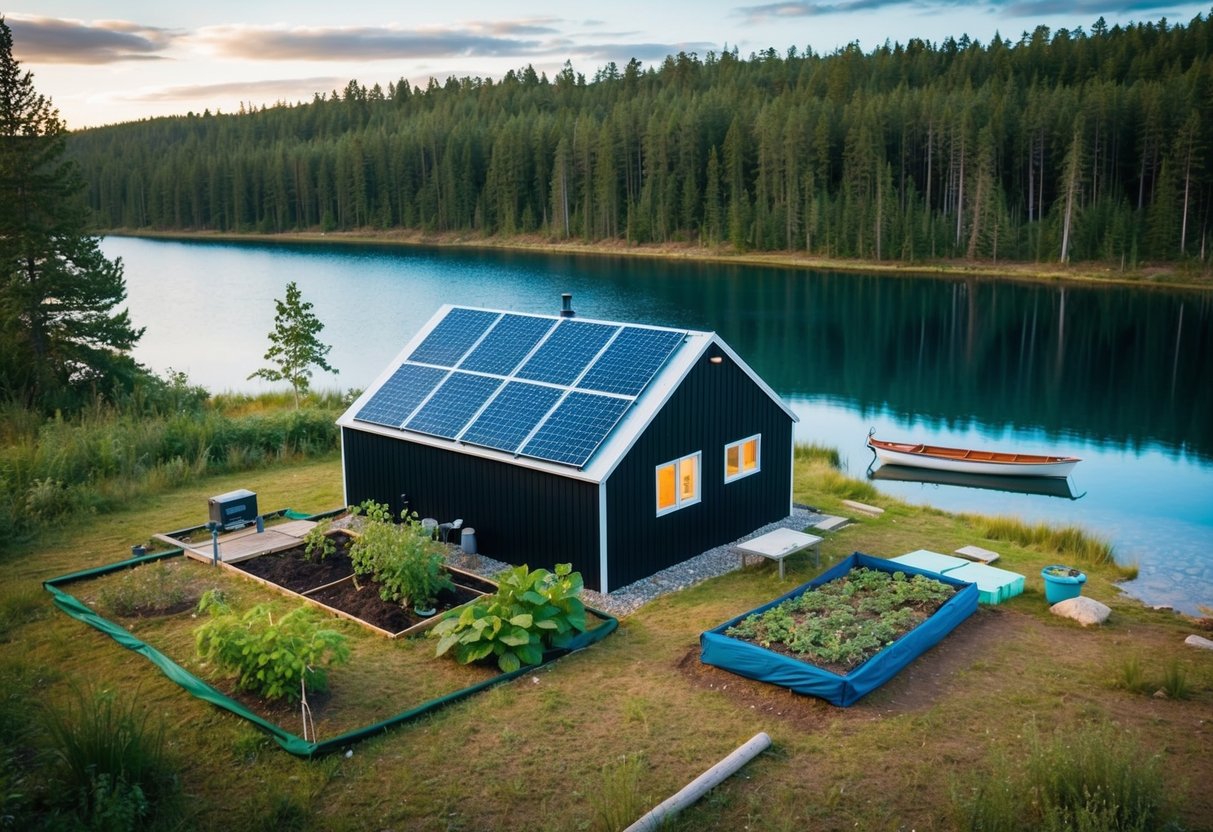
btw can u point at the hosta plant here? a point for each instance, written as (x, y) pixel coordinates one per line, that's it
(531, 611)
(274, 657)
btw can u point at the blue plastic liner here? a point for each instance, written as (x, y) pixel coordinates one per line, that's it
(755, 662)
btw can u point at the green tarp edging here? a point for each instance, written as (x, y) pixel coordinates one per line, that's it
(291, 743)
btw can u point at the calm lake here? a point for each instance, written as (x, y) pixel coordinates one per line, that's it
(1120, 377)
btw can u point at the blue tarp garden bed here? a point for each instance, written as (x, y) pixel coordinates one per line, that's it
(755, 662)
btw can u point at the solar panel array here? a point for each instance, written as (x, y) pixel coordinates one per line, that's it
(545, 388)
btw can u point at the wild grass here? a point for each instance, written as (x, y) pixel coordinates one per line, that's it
(111, 767)
(19, 605)
(1094, 778)
(107, 456)
(150, 589)
(807, 452)
(617, 802)
(1069, 543)
(1132, 676)
(1175, 681)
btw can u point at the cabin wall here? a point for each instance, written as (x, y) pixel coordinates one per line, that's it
(716, 404)
(520, 515)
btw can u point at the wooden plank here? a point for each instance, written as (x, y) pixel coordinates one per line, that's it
(977, 553)
(830, 523)
(864, 507)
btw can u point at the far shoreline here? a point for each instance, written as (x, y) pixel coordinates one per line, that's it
(1162, 277)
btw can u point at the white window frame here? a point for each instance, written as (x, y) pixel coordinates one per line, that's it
(679, 502)
(739, 444)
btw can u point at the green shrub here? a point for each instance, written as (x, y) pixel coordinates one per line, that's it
(111, 763)
(530, 612)
(402, 557)
(273, 658)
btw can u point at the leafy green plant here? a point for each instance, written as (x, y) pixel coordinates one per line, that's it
(112, 765)
(530, 612)
(273, 658)
(318, 543)
(403, 558)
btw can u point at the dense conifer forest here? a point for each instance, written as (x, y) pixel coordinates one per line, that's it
(1062, 145)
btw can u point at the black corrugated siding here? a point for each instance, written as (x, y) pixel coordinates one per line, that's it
(716, 404)
(520, 515)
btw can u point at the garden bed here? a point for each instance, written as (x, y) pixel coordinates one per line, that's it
(386, 682)
(330, 585)
(852, 654)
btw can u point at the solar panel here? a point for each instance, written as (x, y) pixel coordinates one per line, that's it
(511, 416)
(631, 361)
(399, 395)
(576, 428)
(507, 344)
(566, 352)
(453, 336)
(453, 404)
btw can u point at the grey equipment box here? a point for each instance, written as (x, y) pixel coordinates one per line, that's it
(234, 510)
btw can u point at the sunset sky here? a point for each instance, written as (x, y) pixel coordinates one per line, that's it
(105, 63)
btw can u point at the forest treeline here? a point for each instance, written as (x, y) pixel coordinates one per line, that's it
(1063, 145)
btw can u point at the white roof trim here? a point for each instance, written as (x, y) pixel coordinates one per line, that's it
(617, 443)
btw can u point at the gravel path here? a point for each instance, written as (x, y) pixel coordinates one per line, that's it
(628, 599)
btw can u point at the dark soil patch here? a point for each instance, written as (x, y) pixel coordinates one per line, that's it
(292, 569)
(363, 601)
(281, 712)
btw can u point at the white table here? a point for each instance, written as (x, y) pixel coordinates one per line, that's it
(778, 544)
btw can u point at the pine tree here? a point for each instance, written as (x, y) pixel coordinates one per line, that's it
(294, 347)
(60, 338)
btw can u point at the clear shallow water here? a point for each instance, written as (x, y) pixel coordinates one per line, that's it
(1120, 377)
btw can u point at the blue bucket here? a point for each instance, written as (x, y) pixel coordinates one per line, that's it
(1062, 582)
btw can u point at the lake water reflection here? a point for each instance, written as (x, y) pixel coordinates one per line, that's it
(1121, 377)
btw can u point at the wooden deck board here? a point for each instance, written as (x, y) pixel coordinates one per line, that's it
(249, 543)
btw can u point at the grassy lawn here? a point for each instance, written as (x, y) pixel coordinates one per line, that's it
(612, 730)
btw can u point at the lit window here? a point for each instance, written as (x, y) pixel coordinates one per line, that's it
(678, 484)
(742, 458)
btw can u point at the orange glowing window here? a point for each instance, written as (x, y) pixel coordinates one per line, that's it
(742, 458)
(678, 483)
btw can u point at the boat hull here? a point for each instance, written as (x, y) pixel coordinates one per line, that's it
(972, 462)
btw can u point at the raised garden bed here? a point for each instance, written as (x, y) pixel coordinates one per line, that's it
(850, 657)
(330, 584)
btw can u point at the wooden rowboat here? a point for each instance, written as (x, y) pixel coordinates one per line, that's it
(995, 463)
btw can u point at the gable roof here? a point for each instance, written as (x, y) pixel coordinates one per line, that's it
(565, 395)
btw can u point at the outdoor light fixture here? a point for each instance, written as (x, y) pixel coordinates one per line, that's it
(717, 359)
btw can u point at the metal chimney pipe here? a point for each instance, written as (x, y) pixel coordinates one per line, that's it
(566, 305)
